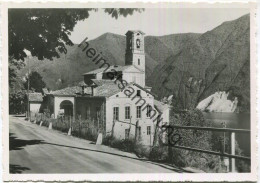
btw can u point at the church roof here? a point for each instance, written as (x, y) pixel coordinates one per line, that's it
(100, 82)
(109, 87)
(104, 88)
(112, 68)
(115, 67)
(67, 91)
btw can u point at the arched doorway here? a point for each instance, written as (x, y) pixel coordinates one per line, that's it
(68, 107)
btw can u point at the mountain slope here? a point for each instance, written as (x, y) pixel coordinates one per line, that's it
(215, 61)
(68, 69)
(191, 67)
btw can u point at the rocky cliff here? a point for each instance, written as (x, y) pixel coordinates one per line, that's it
(217, 60)
(218, 102)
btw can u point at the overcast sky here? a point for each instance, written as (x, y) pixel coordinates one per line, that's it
(155, 22)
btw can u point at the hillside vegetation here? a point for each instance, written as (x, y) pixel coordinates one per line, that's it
(68, 69)
(219, 60)
(189, 66)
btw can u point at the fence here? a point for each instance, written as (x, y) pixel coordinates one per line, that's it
(135, 124)
(87, 129)
(83, 128)
(230, 155)
(90, 128)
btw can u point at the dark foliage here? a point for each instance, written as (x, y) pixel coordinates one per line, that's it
(17, 102)
(196, 139)
(121, 11)
(204, 140)
(13, 67)
(158, 153)
(45, 32)
(127, 145)
(222, 144)
(35, 82)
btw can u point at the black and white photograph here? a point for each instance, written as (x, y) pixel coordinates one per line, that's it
(130, 90)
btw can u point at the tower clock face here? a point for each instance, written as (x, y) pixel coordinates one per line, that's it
(138, 43)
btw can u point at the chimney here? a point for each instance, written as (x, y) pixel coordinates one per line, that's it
(83, 86)
(93, 89)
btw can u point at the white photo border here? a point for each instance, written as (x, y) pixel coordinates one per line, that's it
(212, 177)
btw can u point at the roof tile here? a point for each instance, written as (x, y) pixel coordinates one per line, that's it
(67, 91)
(117, 68)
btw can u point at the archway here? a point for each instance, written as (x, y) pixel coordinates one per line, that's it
(68, 107)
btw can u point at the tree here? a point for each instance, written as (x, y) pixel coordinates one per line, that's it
(45, 32)
(35, 82)
(14, 65)
(17, 102)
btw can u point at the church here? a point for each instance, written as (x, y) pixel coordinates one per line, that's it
(100, 98)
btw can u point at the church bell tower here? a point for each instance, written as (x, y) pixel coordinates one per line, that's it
(135, 54)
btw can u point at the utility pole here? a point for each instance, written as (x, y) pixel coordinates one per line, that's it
(28, 85)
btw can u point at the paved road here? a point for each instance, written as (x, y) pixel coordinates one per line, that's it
(35, 149)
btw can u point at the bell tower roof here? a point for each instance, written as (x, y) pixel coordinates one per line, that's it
(135, 31)
(135, 55)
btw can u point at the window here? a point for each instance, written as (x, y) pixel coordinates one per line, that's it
(138, 93)
(148, 130)
(149, 110)
(127, 112)
(126, 133)
(138, 112)
(138, 61)
(116, 112)
(138, 43)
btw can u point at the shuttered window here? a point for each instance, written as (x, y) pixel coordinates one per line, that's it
(138, 112)
(116, 113)
(149, 110)
(127, 112)
(148, 130)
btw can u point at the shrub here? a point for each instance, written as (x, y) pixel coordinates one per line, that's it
(127, 145)
(141, 151)
(217, 141)
(158, 153)
(205, 140)
(195, 139)
(243, 166)
(124, 145)
(17, 102)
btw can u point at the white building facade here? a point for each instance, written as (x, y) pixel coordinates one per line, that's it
(125, 112)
